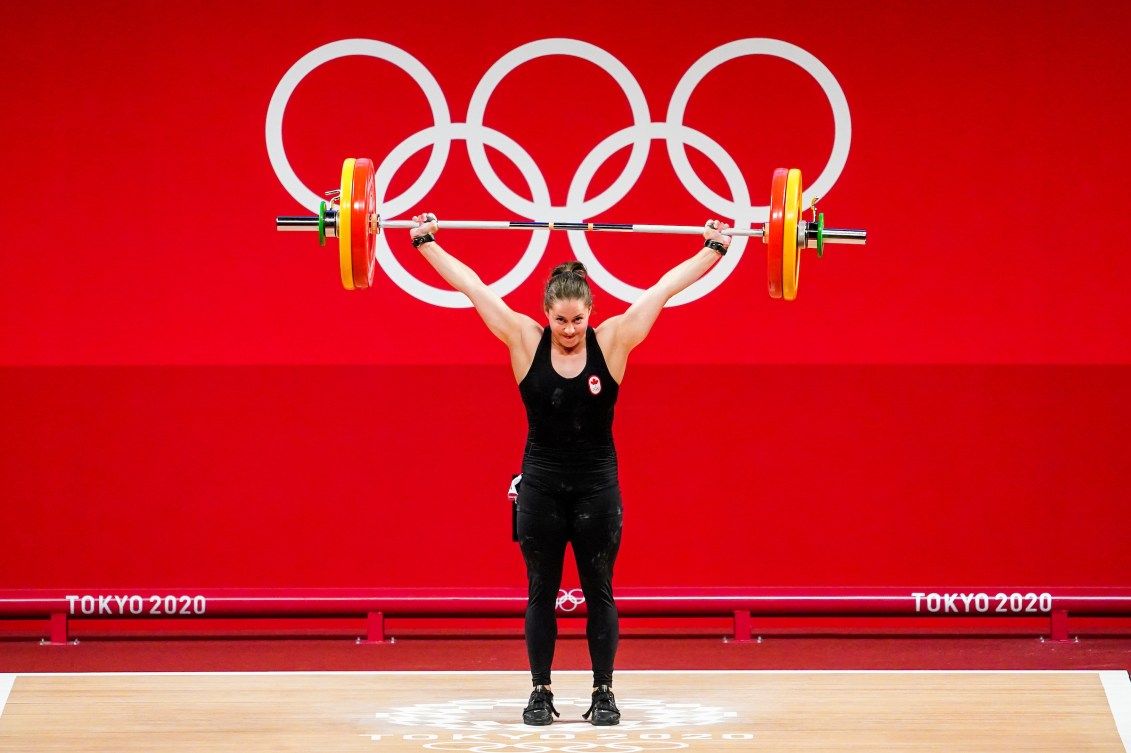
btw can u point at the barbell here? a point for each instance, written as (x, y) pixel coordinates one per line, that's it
(352, 217)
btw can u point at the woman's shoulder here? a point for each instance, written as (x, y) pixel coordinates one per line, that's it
(606, 331)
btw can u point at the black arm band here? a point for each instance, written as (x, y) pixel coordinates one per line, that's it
(716, 246)
(420, 240)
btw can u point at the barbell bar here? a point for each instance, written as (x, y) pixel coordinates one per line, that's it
(351, 216)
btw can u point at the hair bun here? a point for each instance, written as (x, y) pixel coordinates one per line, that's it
(575, 267)
(567, 283)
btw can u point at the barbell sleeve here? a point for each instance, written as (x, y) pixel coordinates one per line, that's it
(842, 236)
(296, 223)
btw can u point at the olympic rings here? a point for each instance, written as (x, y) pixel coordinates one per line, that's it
(639, 135)
(568, 601)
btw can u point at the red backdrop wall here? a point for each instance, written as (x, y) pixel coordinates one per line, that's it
(190, 399)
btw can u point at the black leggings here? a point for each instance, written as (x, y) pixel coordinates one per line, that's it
(592, 524)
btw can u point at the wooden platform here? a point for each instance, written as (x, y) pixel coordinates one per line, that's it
(480, 712)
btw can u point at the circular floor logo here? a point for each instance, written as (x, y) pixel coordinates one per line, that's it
(480, 714)
(493, 725)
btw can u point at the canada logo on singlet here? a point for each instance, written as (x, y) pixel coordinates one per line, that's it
(595, 384)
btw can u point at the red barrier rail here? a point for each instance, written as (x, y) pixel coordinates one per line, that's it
(740, 603)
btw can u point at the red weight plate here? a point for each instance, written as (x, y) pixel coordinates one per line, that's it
(774, 234)
(363, 243)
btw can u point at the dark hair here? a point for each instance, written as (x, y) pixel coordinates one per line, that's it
(568, 283)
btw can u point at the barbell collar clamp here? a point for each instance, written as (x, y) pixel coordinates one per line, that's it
(309, 224)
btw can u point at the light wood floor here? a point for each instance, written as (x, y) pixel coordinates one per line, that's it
(391, 712)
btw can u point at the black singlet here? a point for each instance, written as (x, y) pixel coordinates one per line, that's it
(569, 442)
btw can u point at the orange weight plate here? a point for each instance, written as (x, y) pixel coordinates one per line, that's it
(363, 244)
(774, 232)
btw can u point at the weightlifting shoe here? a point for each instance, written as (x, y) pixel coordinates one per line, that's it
(603, 708)
(539, 707)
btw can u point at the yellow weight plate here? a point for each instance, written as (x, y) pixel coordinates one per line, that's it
(791, 251)
(345, 207)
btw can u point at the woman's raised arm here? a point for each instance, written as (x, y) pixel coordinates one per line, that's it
(518, 331)
(618, 335)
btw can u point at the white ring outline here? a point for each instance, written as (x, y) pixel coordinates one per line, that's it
(539, 239)
(727, 166)
(277, 153)
(637, 102)
(842, 119)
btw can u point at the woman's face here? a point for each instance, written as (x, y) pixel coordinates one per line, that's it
(568, 320)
